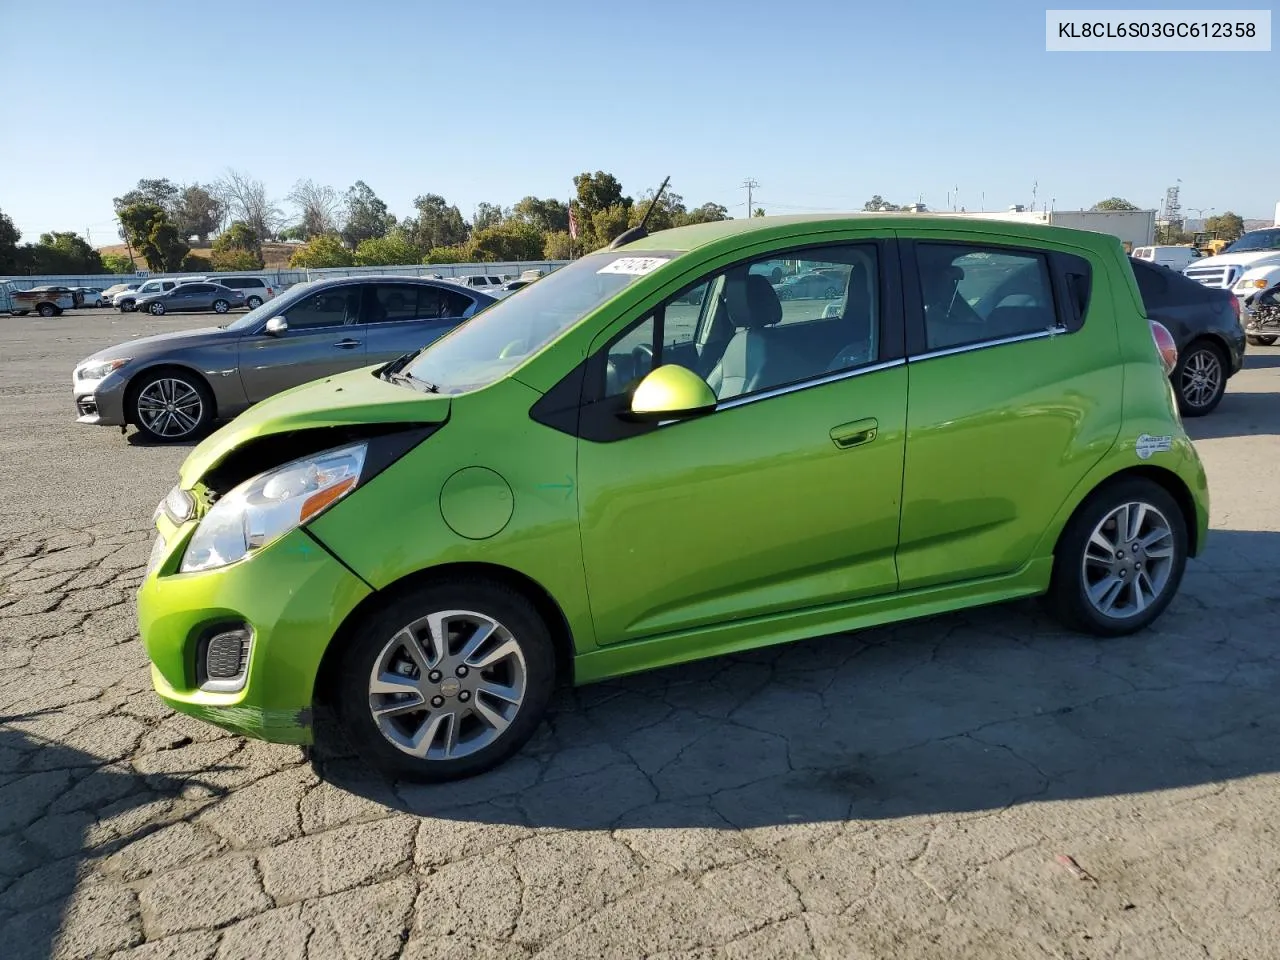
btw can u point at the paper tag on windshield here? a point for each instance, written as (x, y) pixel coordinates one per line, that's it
(634, 266)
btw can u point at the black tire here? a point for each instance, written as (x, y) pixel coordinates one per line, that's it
(366, 644)
(126, 306)
(221, 306)
(1200, 360)
(1260, 341)
(1067, 599)
(46, 310)
(203, 421)
(156, 309)
(253, 303)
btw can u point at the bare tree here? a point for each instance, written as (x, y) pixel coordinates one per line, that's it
(245, 198)
(318, 207)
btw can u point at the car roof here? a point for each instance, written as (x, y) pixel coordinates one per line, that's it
(778, 227)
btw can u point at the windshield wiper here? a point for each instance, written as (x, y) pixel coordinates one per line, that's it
(403, 376)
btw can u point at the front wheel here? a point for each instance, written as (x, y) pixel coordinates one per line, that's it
(157, 309)
(170, 406)
(1260, 341)
(1201, 379)
(221, 306)
(1119, 560)
(253, 303)
(446, 681)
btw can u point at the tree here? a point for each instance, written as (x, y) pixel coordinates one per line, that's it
(1114, 203)
(758, 212)
(437, 224)
(326, 250)
(509, 241)
(246, 199)
(9, 237)
(1227, 225)
(392, 250)
(546, 216)
(459, 253)
(117, 263)
(195, 263)
(367, 216)
(707, 213)
(292, 233)
(160, 192)
(318, 207)
(556, 245)
(149, 230)
(197, 212)
(604, 226)
(599, 191)
(879, 204)
(237, 248)
(64, 253)
(487, 215)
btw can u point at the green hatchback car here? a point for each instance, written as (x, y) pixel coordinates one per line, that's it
(649, 456)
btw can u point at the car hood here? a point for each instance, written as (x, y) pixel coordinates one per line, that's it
(1248, 258)
(146, 347)
(354, 398)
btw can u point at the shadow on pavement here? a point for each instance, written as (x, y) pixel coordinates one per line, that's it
(1238, 415)
(59, 809)
(962, 713)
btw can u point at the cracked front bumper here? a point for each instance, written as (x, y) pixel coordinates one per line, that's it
(293, 595)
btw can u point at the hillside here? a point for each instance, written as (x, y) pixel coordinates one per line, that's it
(276, 255)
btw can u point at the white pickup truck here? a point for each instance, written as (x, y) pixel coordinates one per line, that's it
(1247, 266)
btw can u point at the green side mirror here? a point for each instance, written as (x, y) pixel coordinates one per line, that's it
(670, 392)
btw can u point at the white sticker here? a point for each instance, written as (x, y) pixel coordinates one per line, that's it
(634, 266)
(1147, 445)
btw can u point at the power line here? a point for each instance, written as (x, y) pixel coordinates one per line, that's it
(751, 184)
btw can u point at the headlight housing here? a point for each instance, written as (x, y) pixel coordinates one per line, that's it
(266, 507)
(97, 369)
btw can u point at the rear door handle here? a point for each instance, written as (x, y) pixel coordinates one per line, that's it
(855, 434)
(347, 344)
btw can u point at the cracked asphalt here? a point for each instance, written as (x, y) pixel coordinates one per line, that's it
(980, 785)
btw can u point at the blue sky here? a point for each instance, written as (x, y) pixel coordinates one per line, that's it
(824, 103)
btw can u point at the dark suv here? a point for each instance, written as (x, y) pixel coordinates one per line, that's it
(1205, 323)
(256, 290)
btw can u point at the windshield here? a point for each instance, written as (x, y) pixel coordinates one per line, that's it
(511, 330)
(1256, 240)
(270, 308)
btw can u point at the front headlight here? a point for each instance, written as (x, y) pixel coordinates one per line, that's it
(271, 504)
(100, 368)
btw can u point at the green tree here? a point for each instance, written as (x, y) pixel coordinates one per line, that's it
(879, 204)
(9, 237)
(238, 236)
(1227, 225)
(294, 233)
(546, 216)
(707, 213)
(509, 241)
(233, 261)
(599, 191)
(326, 250)
(162, 192)
(169, 247)
(366, 215)
(195, 263)
(556, 245)
(758, 212)
(393, 249)
(197, 212)
(437, 223)
(1114, 203)
(117, 263)
(458, 253)
(148, 228)
(487, 215)
(64, 253)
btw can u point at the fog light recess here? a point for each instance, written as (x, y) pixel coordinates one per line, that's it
(222, 658)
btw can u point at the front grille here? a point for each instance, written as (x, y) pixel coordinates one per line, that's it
(1219, 277)
(223, 658)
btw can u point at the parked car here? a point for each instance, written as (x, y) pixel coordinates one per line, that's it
(564, 486)
(89, 296)
(256, 290)
(1173, 257)
(486, 284)
(1206, 326)
(805, 286)
(200, 297)
(173, 386)
(46, 300)
(126, 300)
(1264, 317)
(1246, 266)
(109, 294)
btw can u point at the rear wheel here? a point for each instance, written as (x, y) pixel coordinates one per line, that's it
(169, 406)
(1119, 560)
(1200, 378)
(253, 303)
(446, 681)
(45, 310)
(1259, 341)
(221, 306)
(157, 309)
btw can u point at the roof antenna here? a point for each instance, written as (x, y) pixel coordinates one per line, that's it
(635, 233)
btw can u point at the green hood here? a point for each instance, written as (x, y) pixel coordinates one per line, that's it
(354, 397)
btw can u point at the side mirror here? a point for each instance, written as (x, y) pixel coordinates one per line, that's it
(276, 326)
(671, 392)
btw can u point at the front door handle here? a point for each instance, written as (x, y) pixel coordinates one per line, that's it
(854, 434)
(347, 344)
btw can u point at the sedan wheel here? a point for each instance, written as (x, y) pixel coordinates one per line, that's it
(447, 681)
(169, 408)
(1201, 379)
(157, 309)
(253, 303)
(221, 306)
(45, 310)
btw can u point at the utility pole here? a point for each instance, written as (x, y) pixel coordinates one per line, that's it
(751, 184)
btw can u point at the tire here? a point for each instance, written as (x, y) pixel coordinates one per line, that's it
(1080, 562)
(830, 293)
(46, 310)
(126, 306)
(221, 306)
(253, 303)
(1261, 341)
(438, 711)
(156, 309)
(170, 391)
(1200, 378)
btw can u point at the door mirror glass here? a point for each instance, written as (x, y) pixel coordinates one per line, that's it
(276, 326)
(671, 392)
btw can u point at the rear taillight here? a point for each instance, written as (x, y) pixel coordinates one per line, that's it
(1166, 345)
(1235, 305)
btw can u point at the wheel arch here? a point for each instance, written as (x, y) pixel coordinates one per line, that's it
(1172, 484)
(542, 600)
(135, 381)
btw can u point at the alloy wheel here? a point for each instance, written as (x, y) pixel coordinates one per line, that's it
(1201, 378)
(157, 309)
(220, 306)
(169, 407)
(1128, 560)
(447, 685)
